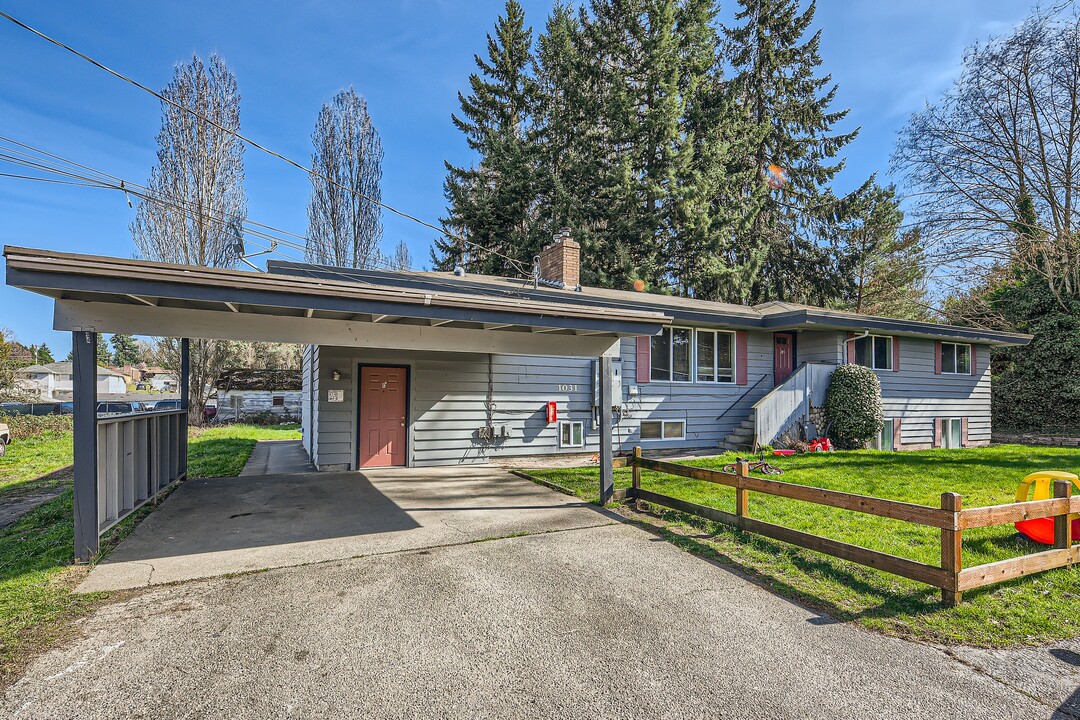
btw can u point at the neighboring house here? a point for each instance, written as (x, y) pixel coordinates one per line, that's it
(161, 380)
(53, 381)
(243, 392)
(722, 376)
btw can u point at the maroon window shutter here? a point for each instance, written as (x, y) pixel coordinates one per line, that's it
(741, 352)
(937, 432)
(643, 358)
(895, 354)
(896, 435)
(937, 357)
(963, 432)
(974, 361)
(850, 349)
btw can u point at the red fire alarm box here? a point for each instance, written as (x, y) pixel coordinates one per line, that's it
(552, 411)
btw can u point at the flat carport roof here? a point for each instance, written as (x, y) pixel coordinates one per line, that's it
(105, 294)
(127, 463)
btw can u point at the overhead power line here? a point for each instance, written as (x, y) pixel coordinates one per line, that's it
(258, 146)
(78, 174)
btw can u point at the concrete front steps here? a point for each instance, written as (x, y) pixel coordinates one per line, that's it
(741, 438)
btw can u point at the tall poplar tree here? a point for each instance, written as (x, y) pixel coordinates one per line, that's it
(344, 216)
(200, 171)
(796, 155)
(491, 202)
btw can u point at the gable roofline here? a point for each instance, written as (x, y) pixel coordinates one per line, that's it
(773, 315)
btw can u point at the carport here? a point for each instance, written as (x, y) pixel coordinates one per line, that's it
(122, 462)
(224, 526)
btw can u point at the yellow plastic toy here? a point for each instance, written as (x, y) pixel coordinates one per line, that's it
(1041, 530)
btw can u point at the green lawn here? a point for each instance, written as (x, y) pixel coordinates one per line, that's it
(1030, 610)
(222, 451)
(29, 459)
(36, 574)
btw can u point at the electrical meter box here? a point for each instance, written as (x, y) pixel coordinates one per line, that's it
(616, 382)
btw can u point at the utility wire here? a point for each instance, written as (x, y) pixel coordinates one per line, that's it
(258, 146)
(52, 163)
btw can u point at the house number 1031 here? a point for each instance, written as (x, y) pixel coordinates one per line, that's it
(568, 388)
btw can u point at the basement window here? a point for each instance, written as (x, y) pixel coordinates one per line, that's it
(885, 437)
(571, 434)
(952, 433)
(663, 430)
(279, 401)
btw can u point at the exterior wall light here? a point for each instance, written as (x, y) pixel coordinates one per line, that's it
(336, 375)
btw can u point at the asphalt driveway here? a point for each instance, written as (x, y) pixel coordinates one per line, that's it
(594, 620)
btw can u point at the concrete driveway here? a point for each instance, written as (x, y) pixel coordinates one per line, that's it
(218, 526)
(580, 617)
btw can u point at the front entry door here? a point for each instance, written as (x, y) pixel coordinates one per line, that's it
(383, 416)
(783, 356)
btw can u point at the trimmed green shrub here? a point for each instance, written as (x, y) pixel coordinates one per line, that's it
(853, 406)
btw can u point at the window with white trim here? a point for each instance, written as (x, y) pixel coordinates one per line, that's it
(885, 437)
(715, 356)
(686, 355)
(955, 358)
(663, 430)
(874, 351)
(571, 434)
(952, 433)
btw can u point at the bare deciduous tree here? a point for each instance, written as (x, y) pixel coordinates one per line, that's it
(401, 259)
(199, 203)
(344, 218)
(994, 166)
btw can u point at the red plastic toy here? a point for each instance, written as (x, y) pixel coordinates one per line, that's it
(822, 444)
(1041, 530)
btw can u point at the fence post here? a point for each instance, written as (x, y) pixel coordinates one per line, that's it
(951, 559)
(1062, 523)
(635, 472)
(742, 495)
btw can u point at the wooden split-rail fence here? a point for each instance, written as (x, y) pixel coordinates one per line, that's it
(951, 519)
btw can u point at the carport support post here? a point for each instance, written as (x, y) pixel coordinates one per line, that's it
(607, 472)
(185, 399)
(84, 389)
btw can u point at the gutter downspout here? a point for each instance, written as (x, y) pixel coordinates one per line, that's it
(866, 333)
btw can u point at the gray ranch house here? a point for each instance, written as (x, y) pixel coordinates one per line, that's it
(424, 368)
(720, 376)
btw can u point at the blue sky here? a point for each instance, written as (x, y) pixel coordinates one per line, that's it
(409, 59)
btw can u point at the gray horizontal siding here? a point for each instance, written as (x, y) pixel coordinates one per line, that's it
(917, 395)
(448, 393)
(825, 346)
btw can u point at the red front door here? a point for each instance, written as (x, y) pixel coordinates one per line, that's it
(783, 356)
(382, 416)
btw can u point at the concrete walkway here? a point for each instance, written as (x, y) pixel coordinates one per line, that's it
(216, 526)
(277, 457)
(591, 622)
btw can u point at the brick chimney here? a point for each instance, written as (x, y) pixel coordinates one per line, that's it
(560, 262)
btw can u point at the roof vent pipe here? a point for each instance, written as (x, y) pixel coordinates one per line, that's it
(459, 271)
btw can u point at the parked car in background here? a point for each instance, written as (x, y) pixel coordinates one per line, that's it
(115, 408)
(167, 405)
(210, 411)
(67, 408)
(5, 438)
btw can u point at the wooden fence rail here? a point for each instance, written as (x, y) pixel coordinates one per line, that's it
(951, 519)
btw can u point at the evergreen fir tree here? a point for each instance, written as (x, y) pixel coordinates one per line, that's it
(795, 156)
(103, 354)
(125, 351)
(881, 270)
(491, 204)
